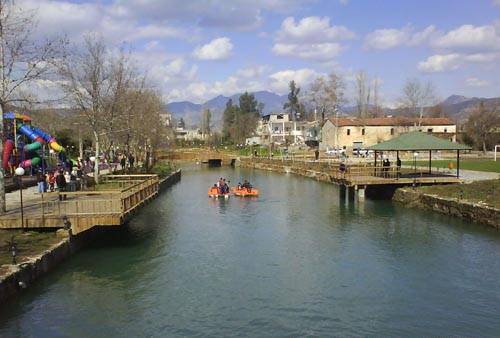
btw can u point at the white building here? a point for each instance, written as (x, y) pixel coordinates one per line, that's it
(279, 129)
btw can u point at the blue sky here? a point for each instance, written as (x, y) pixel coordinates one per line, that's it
(195, 50)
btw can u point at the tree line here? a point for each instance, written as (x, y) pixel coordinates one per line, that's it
(105, 95)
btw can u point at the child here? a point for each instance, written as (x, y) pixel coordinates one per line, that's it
(52, 181)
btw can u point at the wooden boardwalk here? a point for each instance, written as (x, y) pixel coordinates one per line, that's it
(359, 174)
(85, 209)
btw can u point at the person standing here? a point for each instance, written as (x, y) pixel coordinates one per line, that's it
(131, 160)
(52, 181)
(61, 185)
(398, 165)
(123, 162)
(41, 179)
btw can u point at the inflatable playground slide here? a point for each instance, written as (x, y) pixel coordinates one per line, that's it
(23, 141)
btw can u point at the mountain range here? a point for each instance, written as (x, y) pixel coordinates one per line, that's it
(191, 112)
(457, 107)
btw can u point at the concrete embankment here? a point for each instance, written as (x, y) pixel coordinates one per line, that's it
(476, 212)
(15, 278)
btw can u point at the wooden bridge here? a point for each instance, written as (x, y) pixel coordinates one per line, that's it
(123, 196)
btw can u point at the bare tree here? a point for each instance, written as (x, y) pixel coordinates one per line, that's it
(417, 96)
(96, 83)
(377, 109)
(482, 126)
(327, 94)
(23, 60)
(362, 93)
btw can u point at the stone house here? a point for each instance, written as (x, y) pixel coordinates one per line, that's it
(359, 133)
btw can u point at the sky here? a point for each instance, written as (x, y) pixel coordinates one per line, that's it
(197, 49)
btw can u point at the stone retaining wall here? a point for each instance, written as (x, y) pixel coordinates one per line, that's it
(313, 170)
(450, 206)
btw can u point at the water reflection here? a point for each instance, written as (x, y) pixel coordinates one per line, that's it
(297, 261)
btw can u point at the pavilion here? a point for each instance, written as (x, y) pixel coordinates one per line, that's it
(419, 142)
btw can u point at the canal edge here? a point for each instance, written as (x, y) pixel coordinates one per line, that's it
(21, 276)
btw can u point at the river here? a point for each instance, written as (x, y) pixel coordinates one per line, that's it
(297, 261)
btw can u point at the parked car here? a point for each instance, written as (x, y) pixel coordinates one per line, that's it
(362, 152)
(334, 152)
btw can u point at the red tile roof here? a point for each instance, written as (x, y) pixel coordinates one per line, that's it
(390, 121)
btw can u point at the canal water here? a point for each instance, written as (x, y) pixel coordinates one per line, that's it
(297, 261)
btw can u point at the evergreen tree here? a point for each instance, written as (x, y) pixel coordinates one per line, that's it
(228, 119)
(293, 106)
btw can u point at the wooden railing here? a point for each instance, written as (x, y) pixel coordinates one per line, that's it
(352, 172)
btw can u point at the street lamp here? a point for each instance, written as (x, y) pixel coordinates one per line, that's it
(19, 174)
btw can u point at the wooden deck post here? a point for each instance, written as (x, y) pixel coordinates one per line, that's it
(430, 161)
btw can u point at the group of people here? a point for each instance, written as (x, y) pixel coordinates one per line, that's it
(124, 159)
(386, 165)
(245, 185)
(222, 186)
(67, 177)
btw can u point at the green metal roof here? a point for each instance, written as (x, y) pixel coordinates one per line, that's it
(417, 140)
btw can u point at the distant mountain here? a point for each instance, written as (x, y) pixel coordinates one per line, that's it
(455, 99)
(191, 112)
(459, 107)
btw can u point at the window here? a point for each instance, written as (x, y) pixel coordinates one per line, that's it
(429, 130)
(445, 130)
(392, 131)
(363, 131)
(348, 131)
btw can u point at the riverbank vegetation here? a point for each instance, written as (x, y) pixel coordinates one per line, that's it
(486, 192)
(28, 244)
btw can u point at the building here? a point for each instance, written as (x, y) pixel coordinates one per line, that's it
(280, 130)
(359, 133)
(166, 119)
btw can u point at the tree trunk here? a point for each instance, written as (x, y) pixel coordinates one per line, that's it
(3, 207)
(96, 162)
(484, 146)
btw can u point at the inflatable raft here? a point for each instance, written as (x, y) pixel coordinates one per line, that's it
(245, 192)
(214, 193)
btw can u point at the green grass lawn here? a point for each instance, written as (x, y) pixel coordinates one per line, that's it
(478, 165)
(487, 191)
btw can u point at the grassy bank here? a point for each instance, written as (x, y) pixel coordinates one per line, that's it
(477, 165)
(29, 244)
(487, 192)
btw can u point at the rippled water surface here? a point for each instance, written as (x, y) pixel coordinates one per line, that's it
(297, 261)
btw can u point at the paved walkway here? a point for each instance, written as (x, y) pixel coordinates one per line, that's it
(467, 175)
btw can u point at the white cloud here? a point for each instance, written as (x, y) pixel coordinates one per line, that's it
(312, 29)
(469, 37)
(217, 49)
(280, 80)
(311, 38)
(316, 51)
(75, 19)
(440, 63)
(388, 38)
(475, 82)
(446, 62)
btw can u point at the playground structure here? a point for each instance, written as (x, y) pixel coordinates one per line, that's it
(23, 143)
